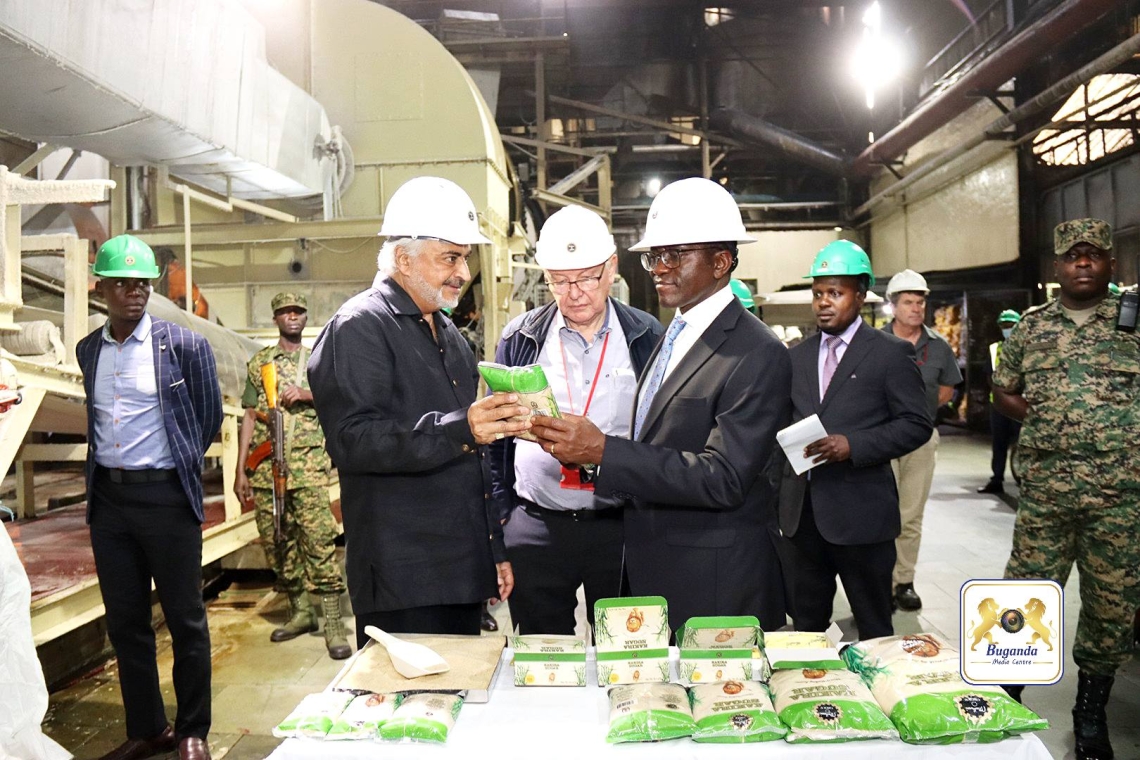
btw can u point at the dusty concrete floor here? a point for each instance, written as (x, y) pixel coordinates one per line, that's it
(256, 683)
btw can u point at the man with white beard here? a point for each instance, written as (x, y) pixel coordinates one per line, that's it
(395, 384)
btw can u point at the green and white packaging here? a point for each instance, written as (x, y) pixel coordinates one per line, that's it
(827, 706)
(718, 649)
(720, 632)
(549, 660)
(363, 717)
(649, 712)
(423, 717)
(314, 716)
(529, 382)
(632, 636)
(734, 712)
(916, 681)
(797, 650)
(646, 666)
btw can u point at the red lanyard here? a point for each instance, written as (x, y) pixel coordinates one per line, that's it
(597, 374)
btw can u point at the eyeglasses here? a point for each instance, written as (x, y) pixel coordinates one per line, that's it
(670, 257)
(584, 284)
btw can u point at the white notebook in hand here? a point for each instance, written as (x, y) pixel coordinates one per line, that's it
(794, 438)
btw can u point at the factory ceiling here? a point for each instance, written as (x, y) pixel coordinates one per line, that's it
(788, 72)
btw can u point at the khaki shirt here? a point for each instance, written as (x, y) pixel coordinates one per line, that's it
(1082, 383)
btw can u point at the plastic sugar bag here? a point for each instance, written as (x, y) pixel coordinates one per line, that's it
(364, 716)
(314, 716)
(734, 712)
(649, 712)
(827, 706)
(23, 693)
(916, 681)
(424, 717)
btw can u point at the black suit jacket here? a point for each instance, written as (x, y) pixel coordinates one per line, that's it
(701, 528)
(418, 522)
(877, 399)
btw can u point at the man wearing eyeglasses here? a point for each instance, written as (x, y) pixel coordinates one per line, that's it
(700, 528)
(153, 406)
(560, 533)
(1070, 373)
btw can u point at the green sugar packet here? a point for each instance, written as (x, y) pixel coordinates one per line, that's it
(734, 712)
(649, 712)
(529, 382)
(827, 706)
(425, 717)
(915, 679)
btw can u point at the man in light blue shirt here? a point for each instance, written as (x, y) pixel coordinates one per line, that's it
(559, 534)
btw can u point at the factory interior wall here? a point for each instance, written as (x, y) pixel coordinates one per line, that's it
(962, 216)
(781, 258)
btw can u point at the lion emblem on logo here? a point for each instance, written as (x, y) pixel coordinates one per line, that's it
(991, 615)
(1042, 631)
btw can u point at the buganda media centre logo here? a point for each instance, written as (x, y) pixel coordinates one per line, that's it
(1012, 632)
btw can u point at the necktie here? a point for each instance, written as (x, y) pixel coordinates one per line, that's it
(831, 362)
(658, 374)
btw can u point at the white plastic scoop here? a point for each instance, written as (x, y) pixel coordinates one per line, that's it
(410, 660)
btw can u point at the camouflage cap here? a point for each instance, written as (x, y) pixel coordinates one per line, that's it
(281, 300)
(1092, 231)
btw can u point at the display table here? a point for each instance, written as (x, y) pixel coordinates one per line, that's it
(539, 723)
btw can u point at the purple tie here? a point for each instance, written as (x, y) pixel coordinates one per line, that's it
(831, 362)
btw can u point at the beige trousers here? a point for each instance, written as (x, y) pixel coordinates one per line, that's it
(913, 473)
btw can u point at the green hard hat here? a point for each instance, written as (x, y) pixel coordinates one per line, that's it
(1009, 315)
(841, 258)
(742, 293)
(125, 256)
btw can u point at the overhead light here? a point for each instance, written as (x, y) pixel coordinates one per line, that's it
(877, 60)
(870, 137)
(653, 186)
(839, 229)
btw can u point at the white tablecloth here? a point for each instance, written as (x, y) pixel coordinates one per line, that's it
(540, 723)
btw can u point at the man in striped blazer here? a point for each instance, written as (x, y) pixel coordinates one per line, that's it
(153, 406)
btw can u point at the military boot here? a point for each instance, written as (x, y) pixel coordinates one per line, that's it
(335, 639)
(302, 618)
(1090, 726)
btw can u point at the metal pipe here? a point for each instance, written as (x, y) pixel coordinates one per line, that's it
(1006, 62)
(759, 132)
(189, 255)
(1035, 105)
(775, 206)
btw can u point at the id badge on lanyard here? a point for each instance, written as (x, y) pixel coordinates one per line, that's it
(580, 478)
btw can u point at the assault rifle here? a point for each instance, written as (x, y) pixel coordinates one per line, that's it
(274, 419)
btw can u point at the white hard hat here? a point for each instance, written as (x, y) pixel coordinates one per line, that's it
(907, 281)
(574, 238)
(693, 210)
(432, 207)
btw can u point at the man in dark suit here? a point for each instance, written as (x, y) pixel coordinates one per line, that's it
(700, 528)
(842, 517)
(153, 407)
(395, 387)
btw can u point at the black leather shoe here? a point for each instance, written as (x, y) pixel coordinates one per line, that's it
(487, 621)
(1090, 726)
(138, 749)
(193, 748)
(906, 598)
(994, 486)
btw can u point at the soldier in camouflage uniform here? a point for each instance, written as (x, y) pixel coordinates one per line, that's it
(309, 560)
(1073, 380)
